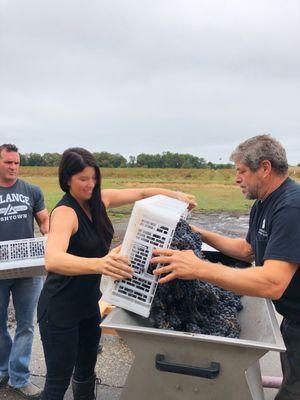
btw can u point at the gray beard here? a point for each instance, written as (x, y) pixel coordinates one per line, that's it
(251, 196)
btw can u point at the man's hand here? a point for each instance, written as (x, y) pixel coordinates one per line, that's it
(180, 264)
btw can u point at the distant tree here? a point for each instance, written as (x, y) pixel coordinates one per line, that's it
(219, 166)
(51, 159)
(132, 162)
(108, 160)
(211, 165)
(119, 161)
(224, 166)
(103, 159)
(190, 161)
(148, 160)
(35, 159)
(24, 159)
(171, 160)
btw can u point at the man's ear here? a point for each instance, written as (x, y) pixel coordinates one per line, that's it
(266, 167)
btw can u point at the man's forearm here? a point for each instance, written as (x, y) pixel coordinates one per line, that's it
(42, 219)
(253, 281)
(43, 224)
(233, 247)
(44, 227)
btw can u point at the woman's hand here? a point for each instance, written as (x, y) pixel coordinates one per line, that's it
(115, 265)
(187, 198)
(180, 264)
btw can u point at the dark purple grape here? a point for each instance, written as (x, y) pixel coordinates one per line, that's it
(195, 306)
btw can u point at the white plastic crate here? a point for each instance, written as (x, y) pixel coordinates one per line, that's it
(22, 258)
(151, 225)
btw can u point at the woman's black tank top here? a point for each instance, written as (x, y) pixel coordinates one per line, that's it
(69, 299)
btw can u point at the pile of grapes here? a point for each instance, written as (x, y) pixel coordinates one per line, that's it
(195, 306)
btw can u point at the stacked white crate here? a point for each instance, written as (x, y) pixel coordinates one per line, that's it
(151, 225)
(22, 258)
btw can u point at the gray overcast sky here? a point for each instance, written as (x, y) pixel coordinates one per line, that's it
(132, 76)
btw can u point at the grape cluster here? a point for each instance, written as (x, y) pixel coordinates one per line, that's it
(195, 306)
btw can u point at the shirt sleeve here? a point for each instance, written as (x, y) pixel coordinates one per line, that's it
(284, 240)
(248, 240)
(38, 198)
(248, 236)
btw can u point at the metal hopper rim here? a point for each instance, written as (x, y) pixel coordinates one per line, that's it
(108, 323)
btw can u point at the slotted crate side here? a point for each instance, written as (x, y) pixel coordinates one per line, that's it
(22, 272)
(22, 258)
(151, 225)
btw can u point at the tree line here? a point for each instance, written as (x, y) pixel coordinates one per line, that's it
(143, 160)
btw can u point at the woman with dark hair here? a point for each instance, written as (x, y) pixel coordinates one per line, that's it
(77, 254)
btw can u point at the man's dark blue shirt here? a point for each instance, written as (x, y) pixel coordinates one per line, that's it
(274, 233)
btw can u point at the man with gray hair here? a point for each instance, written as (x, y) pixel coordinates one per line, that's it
(20, 204)
(272, 241)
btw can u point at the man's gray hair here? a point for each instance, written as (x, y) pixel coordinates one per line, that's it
(260, 148)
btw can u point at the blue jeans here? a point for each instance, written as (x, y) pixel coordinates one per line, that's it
(15, 354)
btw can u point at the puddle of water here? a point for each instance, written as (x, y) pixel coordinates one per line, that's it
(229, 224)
(224, 223)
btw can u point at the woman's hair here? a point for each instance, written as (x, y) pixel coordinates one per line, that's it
(260, 148)
(73, 161)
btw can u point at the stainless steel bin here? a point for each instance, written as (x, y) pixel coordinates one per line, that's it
(172, 365)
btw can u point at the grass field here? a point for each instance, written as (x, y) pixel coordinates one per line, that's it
(214, 190)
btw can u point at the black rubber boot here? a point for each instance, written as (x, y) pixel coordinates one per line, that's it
(84, 390)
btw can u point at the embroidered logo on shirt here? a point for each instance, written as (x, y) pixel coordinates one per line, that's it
(262, 231)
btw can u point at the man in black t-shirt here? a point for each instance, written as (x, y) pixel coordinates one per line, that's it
(273, 242)
(20, 204)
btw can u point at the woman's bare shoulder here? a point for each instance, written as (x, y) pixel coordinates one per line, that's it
(63, 212)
